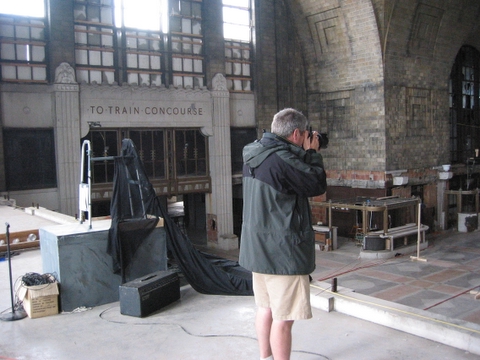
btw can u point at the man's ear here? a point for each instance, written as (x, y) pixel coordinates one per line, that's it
(297, 133)
(296, 137)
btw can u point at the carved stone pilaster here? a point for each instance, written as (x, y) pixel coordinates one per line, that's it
(67, 137)
(220, 200)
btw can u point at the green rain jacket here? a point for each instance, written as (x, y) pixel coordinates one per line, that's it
(278, 178)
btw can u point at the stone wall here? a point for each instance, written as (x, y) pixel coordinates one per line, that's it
(423, 41)
(345, 81)
(279, 77)
(377, 76)
(214, 43)
(265, 72)
(62, 37)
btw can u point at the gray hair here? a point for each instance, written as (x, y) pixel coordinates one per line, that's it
(287, 120)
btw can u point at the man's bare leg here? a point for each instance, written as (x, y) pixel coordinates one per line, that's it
(263, 325)
(281, 339)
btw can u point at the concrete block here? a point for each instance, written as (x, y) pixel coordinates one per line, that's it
(323, 302)
(78, 258)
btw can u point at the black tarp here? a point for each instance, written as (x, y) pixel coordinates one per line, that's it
(135, 210)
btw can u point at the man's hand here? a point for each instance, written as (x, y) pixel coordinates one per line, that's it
(311, 141)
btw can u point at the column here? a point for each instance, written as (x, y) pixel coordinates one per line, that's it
(219, 202)
(67, 137)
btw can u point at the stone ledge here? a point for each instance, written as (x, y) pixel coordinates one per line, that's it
(452, 332)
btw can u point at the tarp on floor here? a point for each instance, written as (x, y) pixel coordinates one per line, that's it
(135, 210)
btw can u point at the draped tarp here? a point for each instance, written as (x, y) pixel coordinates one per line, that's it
(135, 210)
(129, 208)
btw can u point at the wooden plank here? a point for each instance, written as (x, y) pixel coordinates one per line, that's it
(20, 246)
(23, 242)
(20, 235)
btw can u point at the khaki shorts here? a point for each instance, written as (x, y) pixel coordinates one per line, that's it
(288, 296)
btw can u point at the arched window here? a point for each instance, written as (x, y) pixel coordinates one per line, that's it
(464, 106)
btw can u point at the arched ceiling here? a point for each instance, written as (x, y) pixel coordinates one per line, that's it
(346, 39)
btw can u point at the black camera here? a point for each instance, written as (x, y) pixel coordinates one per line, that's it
(322, 138)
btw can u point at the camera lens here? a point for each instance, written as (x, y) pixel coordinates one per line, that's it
(323, 139)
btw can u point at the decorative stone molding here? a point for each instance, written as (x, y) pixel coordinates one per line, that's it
(65, 74)
(65, 78)
(219, 82)
(66, 87)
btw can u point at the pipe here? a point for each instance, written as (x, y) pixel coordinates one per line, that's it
(86, 148)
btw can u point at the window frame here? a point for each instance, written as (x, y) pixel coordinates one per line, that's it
(185, 29)
(28, 35)
(464, 97)
(157, 62)
(239, 55)
(241, 136)
(30, 159)
(171, 181)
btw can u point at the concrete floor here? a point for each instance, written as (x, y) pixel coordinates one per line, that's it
(385, 309)
(444, 283)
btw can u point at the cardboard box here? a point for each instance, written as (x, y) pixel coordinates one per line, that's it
(320, 237)
(40, 300)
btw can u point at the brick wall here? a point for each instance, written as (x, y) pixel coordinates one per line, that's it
(279, 79)
(62, 38)
(377, 81)
(345, 81)
(213, 39)
(265, 73)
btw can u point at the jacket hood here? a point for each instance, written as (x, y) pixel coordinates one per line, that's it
(255, 153)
